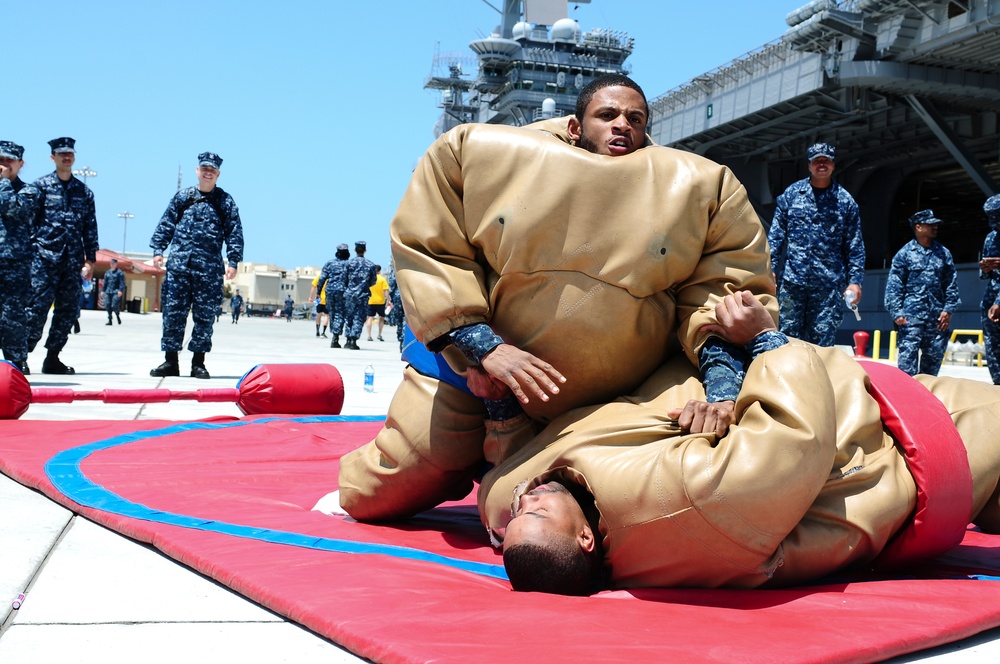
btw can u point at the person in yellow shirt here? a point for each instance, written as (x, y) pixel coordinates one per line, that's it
(321, 315)
(376, 303)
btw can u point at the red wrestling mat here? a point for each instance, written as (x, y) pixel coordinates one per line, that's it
(232, 499)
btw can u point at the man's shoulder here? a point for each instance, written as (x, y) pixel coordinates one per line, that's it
(46, 181)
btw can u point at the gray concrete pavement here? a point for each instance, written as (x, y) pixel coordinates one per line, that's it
(93, 596)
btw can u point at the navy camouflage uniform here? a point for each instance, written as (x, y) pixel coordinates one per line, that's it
(396, 315)
(19, 203)
(991, 295)
(65, 237)
(236, 306)
(361, 277)
(817, 250)
(194, 226)
(334, 276)
(114, 281)
(922, 283)
(289, 308)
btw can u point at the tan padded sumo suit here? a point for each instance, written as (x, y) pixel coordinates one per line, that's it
(806, 482)
(596, 264)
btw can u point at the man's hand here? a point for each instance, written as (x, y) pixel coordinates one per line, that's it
(857, 293)
(989, 263)
(484, 385)
(158, 261)
(230, 273)
(994, 314)
(522, 372)
(742, 318)
(704, 417)
(944, 321)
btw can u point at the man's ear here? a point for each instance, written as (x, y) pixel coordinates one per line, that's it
(585, 538)
(573, 129)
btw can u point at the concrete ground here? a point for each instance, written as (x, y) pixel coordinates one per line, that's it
(93, 596)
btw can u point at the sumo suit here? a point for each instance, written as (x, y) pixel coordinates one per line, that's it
(808, 481)
(595, 264)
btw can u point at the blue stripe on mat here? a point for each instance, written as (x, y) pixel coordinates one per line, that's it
(64, 471)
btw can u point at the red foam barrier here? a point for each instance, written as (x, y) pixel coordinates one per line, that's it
(286, 389)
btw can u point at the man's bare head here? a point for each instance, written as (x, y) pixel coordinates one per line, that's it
(611, 116)
(549, 546)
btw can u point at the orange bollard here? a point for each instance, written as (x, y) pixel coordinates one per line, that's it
(860, 343)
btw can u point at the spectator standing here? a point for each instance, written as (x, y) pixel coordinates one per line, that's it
(195, 224)
(319, 288)
(19, 203)
(817, 251)
(396, 316)
(376, 303)
(236, 307)
(921, 293)
(989, 269)
(360, 278)
(114, 287)
(65, 239)
(289, 308)
(334, 277)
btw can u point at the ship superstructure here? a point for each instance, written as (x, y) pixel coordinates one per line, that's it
(531, 67)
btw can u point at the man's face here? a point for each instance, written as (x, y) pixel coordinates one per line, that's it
(821, 167)
(926, 231)
(64, 160)
(547, 510)
(207, 176)
(614, 123)
(12, 166)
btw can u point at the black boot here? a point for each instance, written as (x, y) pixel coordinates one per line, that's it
(336, 341)
(323, 333)
(118, 316)
(171, 367)
(352, 343)
(23, 366)
(52, 365)
(198, 369)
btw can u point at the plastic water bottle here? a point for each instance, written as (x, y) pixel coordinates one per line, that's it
(369, 378)
(849, 301)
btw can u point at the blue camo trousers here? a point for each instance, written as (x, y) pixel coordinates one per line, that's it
(15, 276)
(336, 310)
(197, 292)
(111, 304)
(991, 339)
(920, 339)
(356, 306)
(809, 314)
(57, 285)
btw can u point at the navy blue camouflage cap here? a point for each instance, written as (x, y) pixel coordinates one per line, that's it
(821, 150)
(210, 159)
(342, 247)
(992, 209)
(11, 150)
(924, 217)
(360, 244)
(63, 144)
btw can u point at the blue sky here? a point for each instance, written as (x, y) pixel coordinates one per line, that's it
(317, 107)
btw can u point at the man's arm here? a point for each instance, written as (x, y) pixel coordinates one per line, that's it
(854, 250)
(895, 285)
(234, 237)
(164, 231)
(90, 241)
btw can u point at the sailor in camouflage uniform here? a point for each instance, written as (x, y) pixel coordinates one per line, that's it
(989, 269)
(65, 238)
(19, 203)
(361, 277)
(113, 288)
(194, 226)
(396, 316)
(334, 275)
(921, 293)
(817, 251)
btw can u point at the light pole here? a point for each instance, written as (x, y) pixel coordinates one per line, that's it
(125, 216)
(84, 173)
